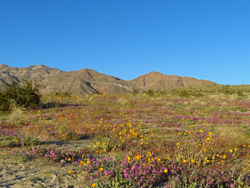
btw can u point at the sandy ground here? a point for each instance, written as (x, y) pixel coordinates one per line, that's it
(39, 173)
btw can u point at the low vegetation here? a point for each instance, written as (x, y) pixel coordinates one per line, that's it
(187, 137)
(22, 94)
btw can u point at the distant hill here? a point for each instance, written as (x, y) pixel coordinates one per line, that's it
(87, 81)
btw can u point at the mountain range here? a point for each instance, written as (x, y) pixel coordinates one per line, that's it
(88, 81)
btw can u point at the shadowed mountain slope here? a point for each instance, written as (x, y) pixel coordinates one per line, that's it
(87, 81)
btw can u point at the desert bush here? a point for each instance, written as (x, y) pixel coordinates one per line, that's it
(62, 93)
(70, 136)
(150, 92)
(23, 94)
(240, 93)
(227, 90)
(184, 93)
(4, 102)
(135, 91)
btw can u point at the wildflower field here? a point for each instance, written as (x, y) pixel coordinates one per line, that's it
(192, 137)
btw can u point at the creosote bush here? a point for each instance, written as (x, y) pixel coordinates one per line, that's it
(4, 102)
(135, 91)
(150, 92)
(62, 93)
(22, 94)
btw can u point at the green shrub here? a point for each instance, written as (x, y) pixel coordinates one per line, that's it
(184, 93)
(4, 102)
(227, 90)
(62, 93)
(23, 94)
(150, 92)
(135, 91)
(240, 93)
(70, 136)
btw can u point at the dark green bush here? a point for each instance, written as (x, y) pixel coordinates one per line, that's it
(240, 93)
(227, 90)
(135, 91)
(150, 92)
(184, 93)
(23, 94)
(5, 102)
(62, 93)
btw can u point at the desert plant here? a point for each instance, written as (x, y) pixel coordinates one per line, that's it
(227, 90)
(240, 93)
(184, 93)
(24, 94)
(4, 102)
(135, 91)
(150, 92)
(62, 93)
(12, 138)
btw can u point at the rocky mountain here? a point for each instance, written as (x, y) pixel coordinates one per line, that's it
(158, 81)
(87, 81)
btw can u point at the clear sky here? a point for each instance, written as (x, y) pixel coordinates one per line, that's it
(205, 39)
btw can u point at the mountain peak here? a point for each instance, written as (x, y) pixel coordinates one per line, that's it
(3, 65)
(88, 81)
(154, 73)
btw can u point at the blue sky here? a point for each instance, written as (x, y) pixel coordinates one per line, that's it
(127, 38)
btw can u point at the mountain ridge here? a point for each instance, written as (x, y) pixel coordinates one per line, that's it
(88, 81)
